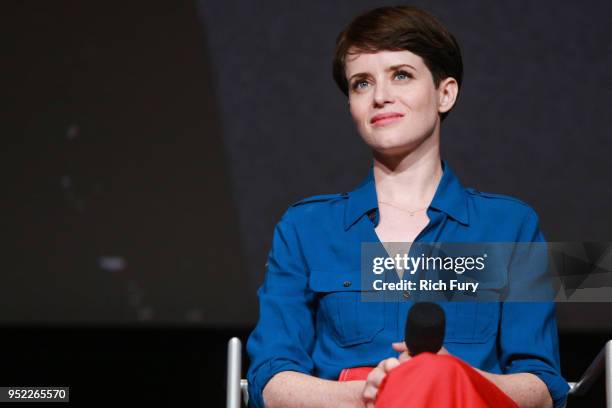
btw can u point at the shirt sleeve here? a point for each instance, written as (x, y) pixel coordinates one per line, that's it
(284, 335)
(528, 339)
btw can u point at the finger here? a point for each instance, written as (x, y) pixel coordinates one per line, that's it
(443, 351)
(375, 377)
(390, 364)
(369, 393)
(399, 346)
(404, 357)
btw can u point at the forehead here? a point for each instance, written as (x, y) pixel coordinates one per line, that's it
(369, 62)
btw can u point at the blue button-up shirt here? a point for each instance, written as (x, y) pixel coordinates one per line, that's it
(312, 319)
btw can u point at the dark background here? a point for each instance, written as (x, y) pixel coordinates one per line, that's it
(150, 147)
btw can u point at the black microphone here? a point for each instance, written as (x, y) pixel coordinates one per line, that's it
(424, 328)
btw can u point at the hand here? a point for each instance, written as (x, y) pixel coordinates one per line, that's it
(401, 348)
(375, 378)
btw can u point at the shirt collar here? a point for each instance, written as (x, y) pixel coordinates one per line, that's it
(450, 198)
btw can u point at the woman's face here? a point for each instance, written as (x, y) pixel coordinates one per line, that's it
(393, 100)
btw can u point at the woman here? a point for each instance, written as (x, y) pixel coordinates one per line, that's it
(401, 71)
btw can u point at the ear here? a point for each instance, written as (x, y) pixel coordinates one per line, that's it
(448, 90)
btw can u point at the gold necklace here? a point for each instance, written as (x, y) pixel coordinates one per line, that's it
(411, 212)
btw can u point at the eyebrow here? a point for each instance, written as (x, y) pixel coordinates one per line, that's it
(391, 68)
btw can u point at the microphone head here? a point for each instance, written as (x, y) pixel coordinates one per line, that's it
(425, 327)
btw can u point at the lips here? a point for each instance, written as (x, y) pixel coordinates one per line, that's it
(384, 118)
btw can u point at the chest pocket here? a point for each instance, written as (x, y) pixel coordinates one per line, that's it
(351, 320)
(476, 322)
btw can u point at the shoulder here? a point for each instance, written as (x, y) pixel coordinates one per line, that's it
(316, 210)
(318, 204)
(504, 217)
(321, 199)
(501, 204)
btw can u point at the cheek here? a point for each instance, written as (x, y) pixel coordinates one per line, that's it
(423, 103)
(419, 100)
(358, 113)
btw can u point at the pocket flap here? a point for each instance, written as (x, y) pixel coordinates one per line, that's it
(496, 282)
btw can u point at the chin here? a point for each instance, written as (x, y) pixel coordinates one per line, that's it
(393, 144)
(397, 141)
(395, 150)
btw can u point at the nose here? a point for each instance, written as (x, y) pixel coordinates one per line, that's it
(382, 94)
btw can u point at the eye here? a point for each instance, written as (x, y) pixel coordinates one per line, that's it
(360, 84)
(402, 75)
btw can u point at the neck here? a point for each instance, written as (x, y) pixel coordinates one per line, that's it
(409, 180)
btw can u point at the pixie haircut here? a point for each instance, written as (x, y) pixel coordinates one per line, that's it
(397, 29)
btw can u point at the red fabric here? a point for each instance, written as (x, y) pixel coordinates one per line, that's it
(357, 373)
(431, 380)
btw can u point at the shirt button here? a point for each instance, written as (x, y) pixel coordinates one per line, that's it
(406, 294)
(347, 284)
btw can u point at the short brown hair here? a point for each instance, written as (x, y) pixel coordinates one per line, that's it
(395, 29)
